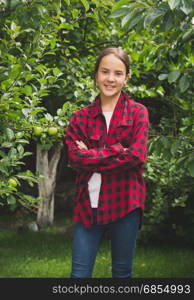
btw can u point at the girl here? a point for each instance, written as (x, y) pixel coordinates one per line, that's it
(107, 144)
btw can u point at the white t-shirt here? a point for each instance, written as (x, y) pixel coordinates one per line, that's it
(94, 183)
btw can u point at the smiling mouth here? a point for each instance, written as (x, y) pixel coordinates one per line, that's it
(109, 86)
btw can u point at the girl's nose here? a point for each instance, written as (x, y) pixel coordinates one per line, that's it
(111, 77)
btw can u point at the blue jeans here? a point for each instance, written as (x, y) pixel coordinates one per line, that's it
(123, 233)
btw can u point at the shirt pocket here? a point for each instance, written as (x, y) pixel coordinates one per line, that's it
(124, 133)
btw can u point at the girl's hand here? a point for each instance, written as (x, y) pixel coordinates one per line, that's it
(81, 145)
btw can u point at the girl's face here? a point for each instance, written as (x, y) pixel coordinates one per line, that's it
(111, 76)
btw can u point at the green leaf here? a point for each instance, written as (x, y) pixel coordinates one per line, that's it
(162, 76)
(20, 149)
(169, 21)
(126, 19)
(173, 3)
(187, 6)
(188, 35)
(57, 72)
(184, 83)
(6, 84)
(6, 145)
(152, 16)
(12, 153)
(22, 141)
(41, 68)
(26, 177)
(173, 76)
(119, 4)
(118, 13)
(85, 4)
(27, 90)
(10, 134)
(27, 154)
(75, 13)
(148, 19)
(134, 21)
(15, 71)
(29, 199)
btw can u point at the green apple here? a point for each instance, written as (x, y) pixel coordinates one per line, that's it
(38, 130)
(52, 130)
(12, 182)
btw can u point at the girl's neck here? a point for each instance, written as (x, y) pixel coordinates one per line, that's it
(108, 104)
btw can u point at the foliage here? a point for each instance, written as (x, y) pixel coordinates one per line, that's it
(158, 35)
(163, 33)
(169, 206)
(45, 75)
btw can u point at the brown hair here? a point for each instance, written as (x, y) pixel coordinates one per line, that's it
(118, 52)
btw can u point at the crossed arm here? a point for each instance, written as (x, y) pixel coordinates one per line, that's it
(82, 146)
(114, 157)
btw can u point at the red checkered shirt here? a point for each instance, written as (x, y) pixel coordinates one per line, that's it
(122, 188)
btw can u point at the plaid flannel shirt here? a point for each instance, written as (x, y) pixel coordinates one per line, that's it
(123, 188)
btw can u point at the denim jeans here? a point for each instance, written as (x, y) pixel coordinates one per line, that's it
(123, 234)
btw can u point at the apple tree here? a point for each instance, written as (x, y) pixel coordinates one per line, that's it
(24, 82)
(45, 75)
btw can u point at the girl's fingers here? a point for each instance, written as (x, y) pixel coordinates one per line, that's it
(81, 145)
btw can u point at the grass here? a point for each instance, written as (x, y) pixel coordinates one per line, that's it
(47, 254)
(34, 255)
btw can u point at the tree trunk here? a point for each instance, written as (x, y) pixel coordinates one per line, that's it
(46, 185)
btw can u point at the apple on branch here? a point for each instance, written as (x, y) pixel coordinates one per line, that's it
(12, 182)
(52, 130)
(38, 130)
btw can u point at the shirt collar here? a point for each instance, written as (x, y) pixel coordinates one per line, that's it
(96, 105)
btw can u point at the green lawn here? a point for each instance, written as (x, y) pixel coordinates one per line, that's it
(48, 254)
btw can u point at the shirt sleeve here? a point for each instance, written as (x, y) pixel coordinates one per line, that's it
(136, 154)
(87, 159)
